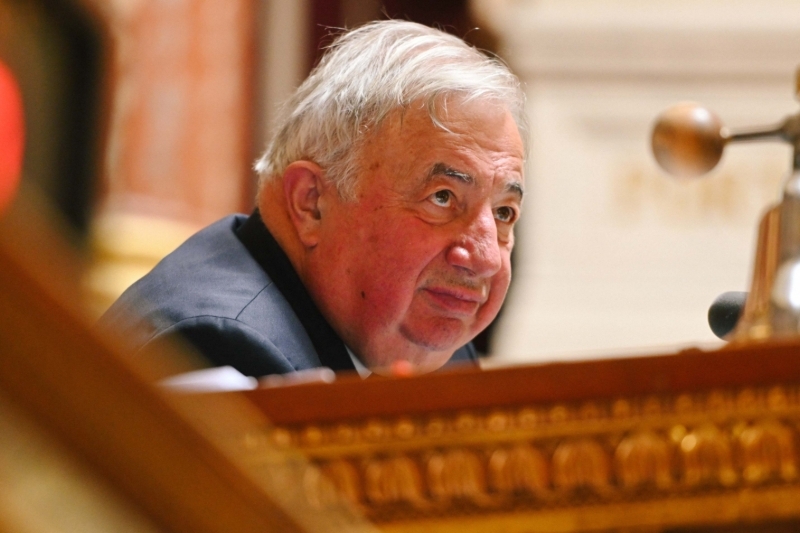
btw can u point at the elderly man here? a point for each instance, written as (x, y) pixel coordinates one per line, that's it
(384, 220)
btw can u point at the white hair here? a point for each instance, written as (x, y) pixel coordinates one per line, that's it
(365, 75)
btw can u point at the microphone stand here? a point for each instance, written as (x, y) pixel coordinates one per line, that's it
(688, 141)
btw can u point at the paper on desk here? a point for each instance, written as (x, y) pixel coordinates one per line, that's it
(227, 378)
(218, 379)
(310, 375)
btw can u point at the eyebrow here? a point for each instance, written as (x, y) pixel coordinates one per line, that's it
(443, 169)
(516, 188)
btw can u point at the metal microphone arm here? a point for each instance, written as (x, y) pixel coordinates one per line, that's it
(688, 141)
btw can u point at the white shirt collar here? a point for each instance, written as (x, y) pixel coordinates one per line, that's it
(362, 370)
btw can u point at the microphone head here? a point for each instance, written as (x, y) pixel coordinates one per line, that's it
(724, 313)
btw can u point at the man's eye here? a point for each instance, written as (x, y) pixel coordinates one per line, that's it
(442, 198)
(505, 214)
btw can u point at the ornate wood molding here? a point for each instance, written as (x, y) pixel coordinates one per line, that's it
(654, 461)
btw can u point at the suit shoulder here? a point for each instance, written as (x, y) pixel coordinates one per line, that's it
(222, 341)
(211, 273)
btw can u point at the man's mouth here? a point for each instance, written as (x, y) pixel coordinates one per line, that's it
(456, 301)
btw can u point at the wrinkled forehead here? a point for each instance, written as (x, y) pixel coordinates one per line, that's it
(472, 140)
(443, 114)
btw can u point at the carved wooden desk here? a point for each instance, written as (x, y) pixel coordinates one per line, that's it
(691, 441)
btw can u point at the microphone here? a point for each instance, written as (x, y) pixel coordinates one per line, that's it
(724, 313)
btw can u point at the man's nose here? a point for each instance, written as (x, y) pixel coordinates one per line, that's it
(477, 249)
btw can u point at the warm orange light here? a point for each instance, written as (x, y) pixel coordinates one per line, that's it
(12, 136)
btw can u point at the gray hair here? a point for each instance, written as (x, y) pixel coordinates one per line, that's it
(365, 75)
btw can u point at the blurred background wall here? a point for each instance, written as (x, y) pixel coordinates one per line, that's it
(612, 257)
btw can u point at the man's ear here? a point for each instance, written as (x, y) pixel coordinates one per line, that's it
(303, 184)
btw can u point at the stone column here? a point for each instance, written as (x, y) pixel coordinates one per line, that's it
(181, 132)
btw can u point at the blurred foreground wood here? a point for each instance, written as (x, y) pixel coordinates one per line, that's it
(175, 465)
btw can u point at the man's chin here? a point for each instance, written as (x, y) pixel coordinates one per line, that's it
(437, 335)
(423, 347)
(407, 356)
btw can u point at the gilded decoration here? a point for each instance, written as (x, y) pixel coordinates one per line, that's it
(542, 458)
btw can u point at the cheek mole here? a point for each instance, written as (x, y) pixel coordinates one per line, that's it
(363, 295)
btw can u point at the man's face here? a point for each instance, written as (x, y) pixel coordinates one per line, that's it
(418, 264)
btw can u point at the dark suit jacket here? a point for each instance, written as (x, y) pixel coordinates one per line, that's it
(232, 293)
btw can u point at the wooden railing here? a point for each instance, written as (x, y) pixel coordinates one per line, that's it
(693, 440)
